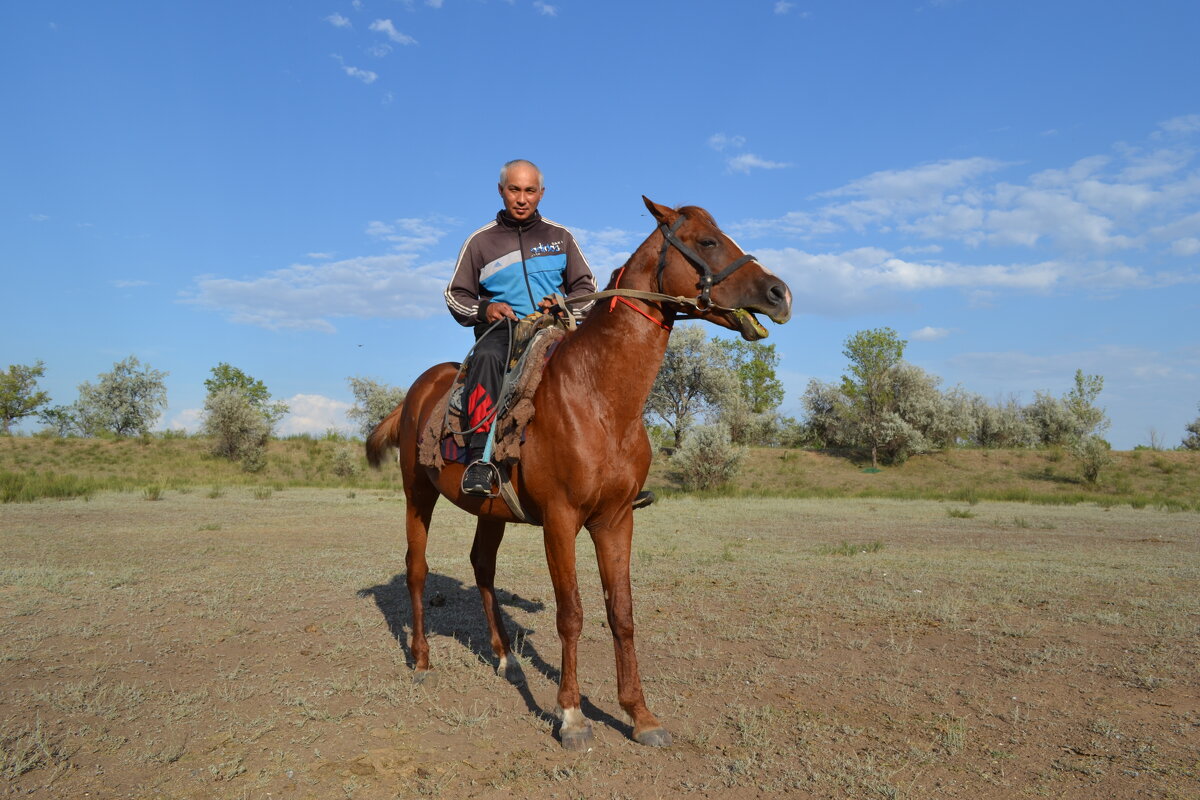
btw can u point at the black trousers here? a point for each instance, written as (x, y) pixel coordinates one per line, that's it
(485, 373)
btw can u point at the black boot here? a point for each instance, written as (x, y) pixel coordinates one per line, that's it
(477, 479)
(644, 499)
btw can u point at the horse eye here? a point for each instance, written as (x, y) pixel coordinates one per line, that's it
(708, 242)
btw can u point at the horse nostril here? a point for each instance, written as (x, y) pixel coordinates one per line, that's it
(778, 294)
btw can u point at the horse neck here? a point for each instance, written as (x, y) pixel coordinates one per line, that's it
(619, 350)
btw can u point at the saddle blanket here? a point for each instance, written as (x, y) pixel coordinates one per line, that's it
(440, 441)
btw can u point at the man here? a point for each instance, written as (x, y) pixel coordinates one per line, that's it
(506, 270)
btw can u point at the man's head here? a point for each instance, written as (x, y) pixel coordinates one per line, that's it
(521, 188)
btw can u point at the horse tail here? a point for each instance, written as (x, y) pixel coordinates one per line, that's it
(385, 436)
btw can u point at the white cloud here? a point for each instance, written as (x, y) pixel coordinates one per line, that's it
(338, 21)
(783, 7)
(411, 233)
(545, 8)
(434, 3)
(1133, 199)
(719, 141)
(365, 75)
(386, 27)
(748, 161)
(1186, 247)
(307, 297)
(871, 277)
(39, 218)
(314, 414)
(189, 420)
(1184, 125)
(606, 250)
(929, 334)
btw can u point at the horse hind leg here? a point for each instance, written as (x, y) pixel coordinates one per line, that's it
(488, 535)
(559, 532)
(420, 497)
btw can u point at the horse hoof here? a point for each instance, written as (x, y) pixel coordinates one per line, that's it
(514, 674)
(656, 737)
(577, 739)
(426, 677)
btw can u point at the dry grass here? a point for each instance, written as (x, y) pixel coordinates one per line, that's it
(224, 646)
(1137, 478)
(33, 467)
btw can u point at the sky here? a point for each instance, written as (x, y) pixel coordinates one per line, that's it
(1013, 187)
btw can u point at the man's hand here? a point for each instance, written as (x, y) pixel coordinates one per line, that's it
(499, 311)
(549, 305)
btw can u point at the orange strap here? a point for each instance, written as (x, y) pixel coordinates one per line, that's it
(613, 304)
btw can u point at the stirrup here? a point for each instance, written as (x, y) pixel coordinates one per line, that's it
(478, 478)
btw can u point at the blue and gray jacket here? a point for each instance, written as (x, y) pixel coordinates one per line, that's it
(519, 264)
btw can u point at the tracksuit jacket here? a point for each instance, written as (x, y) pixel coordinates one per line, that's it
(518, 264)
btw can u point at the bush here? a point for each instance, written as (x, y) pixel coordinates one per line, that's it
(1094, 455)
(237, 430)
(1192, 440)
(707, 459)
(346, 463)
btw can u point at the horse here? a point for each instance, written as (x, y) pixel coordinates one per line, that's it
(586, 454)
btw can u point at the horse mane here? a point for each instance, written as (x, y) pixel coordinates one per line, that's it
(692, 212)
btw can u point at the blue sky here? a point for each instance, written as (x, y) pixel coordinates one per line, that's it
(1014, 187)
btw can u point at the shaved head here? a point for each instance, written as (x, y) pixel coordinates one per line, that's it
(521, 163)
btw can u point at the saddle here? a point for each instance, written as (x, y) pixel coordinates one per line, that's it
(442, 440)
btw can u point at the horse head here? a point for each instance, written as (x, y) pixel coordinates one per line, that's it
(697, 259)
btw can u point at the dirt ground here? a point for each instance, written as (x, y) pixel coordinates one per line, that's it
(252, 644)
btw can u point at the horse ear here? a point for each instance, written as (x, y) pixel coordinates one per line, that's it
(661, 213)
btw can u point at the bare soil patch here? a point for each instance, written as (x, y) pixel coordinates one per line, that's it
(244, 646)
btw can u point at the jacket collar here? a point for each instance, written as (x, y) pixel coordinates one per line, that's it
(504, 219)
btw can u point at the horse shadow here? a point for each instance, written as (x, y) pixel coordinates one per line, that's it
(453, 609)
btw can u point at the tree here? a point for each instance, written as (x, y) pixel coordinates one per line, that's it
(255, 391)
(690, 382)
(1051, 420)
(1192, 440)
(750, 411)
(373, 401)
(236, 428)
(873, 355)
(19, 395)
(1081, 403)
(63, 420)
(998, 425)
(126, 401)
(753, 365)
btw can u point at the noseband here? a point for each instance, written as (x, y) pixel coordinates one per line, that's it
(708, 278)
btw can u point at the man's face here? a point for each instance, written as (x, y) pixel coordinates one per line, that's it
(521, 192)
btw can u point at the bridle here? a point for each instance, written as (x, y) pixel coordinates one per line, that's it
(708, 278)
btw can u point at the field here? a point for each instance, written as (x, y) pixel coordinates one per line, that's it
(32, 467)
(247, 640)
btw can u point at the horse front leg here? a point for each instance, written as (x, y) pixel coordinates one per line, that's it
(575, 733)
(614, 541)
(488, 535)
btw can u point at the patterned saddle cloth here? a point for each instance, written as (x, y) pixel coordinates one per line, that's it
(442, 440)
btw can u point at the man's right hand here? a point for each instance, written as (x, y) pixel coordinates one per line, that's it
(498, 311)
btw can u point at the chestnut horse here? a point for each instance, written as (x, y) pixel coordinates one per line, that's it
(586, 453)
